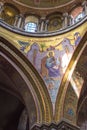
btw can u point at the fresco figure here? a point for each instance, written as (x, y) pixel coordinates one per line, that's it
(50, 68)
(44, 71)
(77, 38)
(67, 46)
(52, 65)
(34, 55)
(23, 45)
(67, 51)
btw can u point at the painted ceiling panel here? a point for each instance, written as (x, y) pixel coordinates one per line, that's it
(43, 3)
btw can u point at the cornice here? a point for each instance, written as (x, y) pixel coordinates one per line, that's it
(41, 34)
(55, 7)
(44, 8)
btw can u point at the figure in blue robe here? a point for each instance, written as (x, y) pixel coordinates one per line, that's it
(77, 38)
(52, 65)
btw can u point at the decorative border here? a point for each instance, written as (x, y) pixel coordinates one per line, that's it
(41, 34)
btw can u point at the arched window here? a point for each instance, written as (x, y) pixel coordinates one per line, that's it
(31, 27)
(31, 23)
(79, 17)
(77, 14)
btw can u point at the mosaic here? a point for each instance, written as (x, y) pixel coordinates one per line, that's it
(49, 55)
(51, 61)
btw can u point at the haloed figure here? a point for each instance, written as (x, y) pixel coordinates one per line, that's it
(52, 65)
(77, 38)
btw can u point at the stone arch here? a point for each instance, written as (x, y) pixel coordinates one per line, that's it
(67, 79)
(81, 68)
(31, 87)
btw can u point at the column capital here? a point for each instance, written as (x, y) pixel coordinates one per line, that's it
(70, 16)
(65, 14)
(47, 21)
(21, 15)
(42, 19)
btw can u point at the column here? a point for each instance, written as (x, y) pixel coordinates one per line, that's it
(84, 4)
(16, 20)
(38, 29)
(65, 22)
(20, 21)
(42, 26)
(71, 20)
(23, 22)
(46, 25)
(1, 7)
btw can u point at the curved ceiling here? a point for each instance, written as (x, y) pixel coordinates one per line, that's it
(44, 4)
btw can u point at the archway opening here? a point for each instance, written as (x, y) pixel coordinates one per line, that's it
(10, 111)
